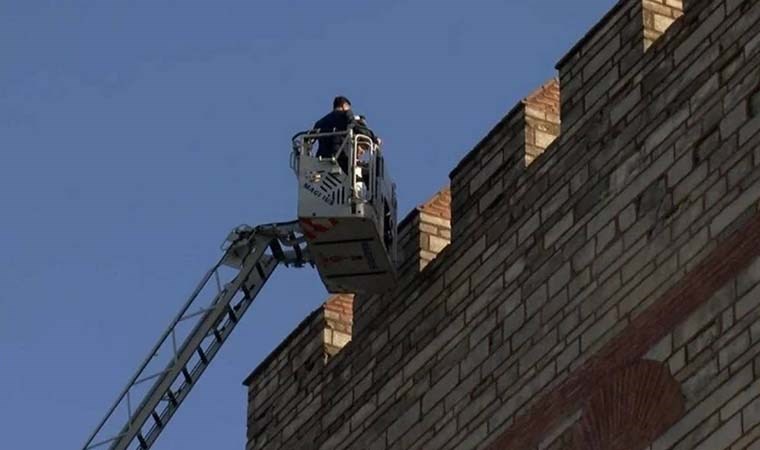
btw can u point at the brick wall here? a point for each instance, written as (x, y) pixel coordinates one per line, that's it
(629, 250)
(339, 320)
(281, 385)
(542, 124)
(479, 181)
(426, 231)
(423, 234)
(607, 54)
(659, 15)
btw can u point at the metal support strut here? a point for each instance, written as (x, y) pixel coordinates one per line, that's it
(171, 370)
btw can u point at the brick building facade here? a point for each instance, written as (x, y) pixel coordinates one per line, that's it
(589, 280)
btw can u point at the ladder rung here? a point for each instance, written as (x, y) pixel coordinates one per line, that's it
(233, 315)
(172, 398)
(158, 420)
(216, 334)
(262, 275)
(202, 355)
(277, 250)
(143, 442)
(188, 378)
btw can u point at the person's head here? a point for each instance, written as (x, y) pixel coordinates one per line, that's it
(341, 103)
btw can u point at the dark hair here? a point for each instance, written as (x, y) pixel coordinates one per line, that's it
(340, 101)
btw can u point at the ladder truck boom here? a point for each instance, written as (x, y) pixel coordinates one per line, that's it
(185, 349)
(346, 228)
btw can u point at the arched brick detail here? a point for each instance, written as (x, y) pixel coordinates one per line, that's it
(630, 408)
(725, 262)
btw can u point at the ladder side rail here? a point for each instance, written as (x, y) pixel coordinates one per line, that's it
(146, 362)
(227, 324)
(188, 349)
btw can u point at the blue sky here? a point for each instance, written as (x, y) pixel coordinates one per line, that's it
(135, 135)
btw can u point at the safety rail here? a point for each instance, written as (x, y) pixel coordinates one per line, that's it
(359, 149)
(303, 144)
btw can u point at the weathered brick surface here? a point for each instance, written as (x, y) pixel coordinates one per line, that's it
(629, 408)
(339, 320)
(479, 181)
(635, 235)
(658, 16)
(423, 234)
(542, 123)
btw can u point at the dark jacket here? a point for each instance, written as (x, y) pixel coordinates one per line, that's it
(361, 127)
(333, 121)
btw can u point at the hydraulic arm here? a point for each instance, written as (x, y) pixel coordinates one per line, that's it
(185, 349)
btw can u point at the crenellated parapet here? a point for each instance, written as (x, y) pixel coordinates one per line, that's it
(606, 231)
(481, 178)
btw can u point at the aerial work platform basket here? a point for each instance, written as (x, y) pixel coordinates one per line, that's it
(347, 211)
